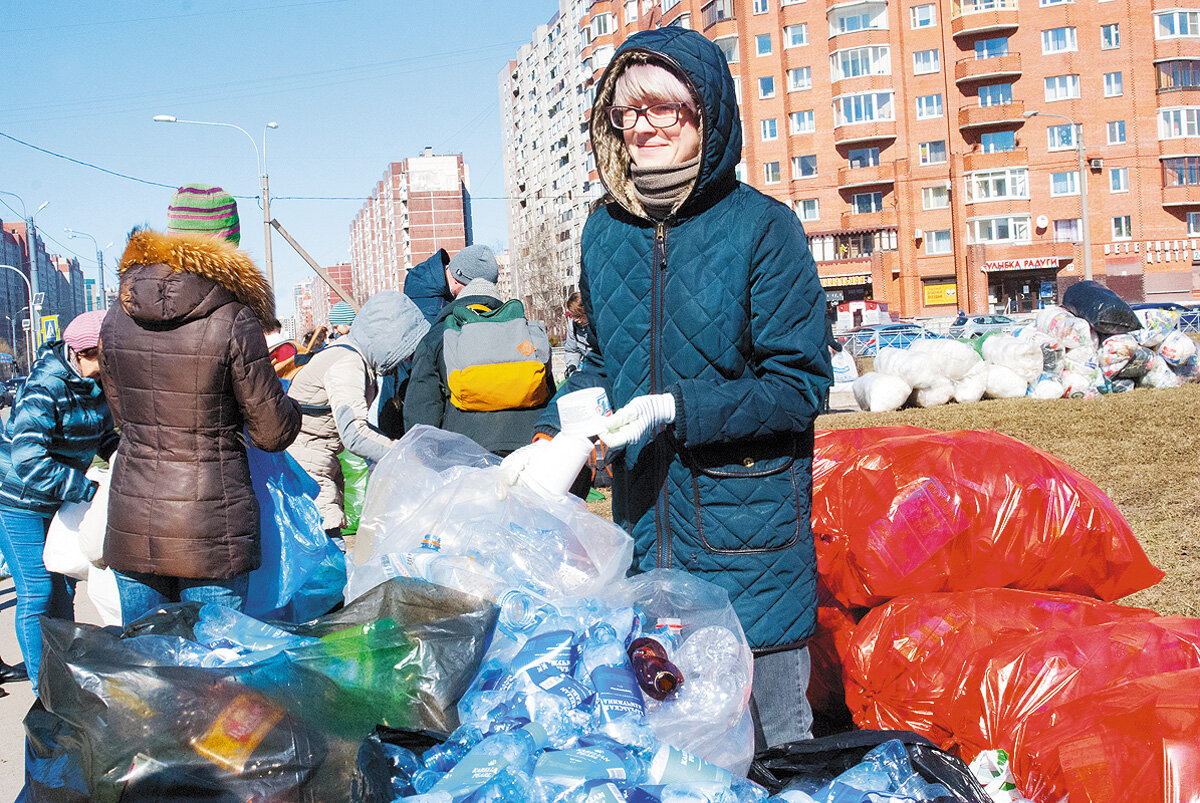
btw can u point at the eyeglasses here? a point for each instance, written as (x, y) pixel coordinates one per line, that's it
(660, 115)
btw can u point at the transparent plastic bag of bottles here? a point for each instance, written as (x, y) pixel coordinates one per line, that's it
(439, 509)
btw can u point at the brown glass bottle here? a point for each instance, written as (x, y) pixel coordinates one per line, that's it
(656, 675)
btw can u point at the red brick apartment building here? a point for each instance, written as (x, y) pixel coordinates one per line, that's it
(420, 205)
(929, 146)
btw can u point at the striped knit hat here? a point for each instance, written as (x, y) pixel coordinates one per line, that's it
(202, 209)
(83, 332)
(341, 314)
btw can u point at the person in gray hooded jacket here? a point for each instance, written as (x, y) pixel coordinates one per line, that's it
(335, 391)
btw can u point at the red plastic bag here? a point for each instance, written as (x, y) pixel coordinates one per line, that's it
(1004, 686)
(951, 511)
(907, 658)
(834, 447)
(1142, 735)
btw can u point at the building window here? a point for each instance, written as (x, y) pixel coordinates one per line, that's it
(865, 107)
(771, 172)
(1193, 223)
(739, 172)
(860, 17)
(1176, 24)
(998, 185)
(631, 11)
(762, 6)
(1066, 231)
(858, 61)
(1112, 85)
(804, 166)
(1183, 121)
(729, 47)
(601, 25)
(802, 122)
(863, 203)
(795, 35)
(766, 87)
(935, 197)
(924, 16)
(770, 130)
(762, 44)
(1062, 87)
(995, 95)
(1058, 40)
(1110, 36)
(716, 11)
(1118, 179)
(1061, 137)
(991, 48)
(1116, 132)
(667, 5)
(789, 2)
(998, 141)
(799, 78)
(934, 152)
(926, 61)
(1007, 229)
(1045, 3)
(939, 242)
(808, 210)
(1174, 75)
(929, 106)
(1122, 227)
(1066, 183)
(1181, 171)
(860, 244)
(863, 157)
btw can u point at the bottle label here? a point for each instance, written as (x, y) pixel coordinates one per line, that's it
(549, 679)
(237, 731)
(617, 693)
(571, 767)
(671, 765)
(470, 774)
(555, 648)
(604, 792)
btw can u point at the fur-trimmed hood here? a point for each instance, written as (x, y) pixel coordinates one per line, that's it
(169, 278)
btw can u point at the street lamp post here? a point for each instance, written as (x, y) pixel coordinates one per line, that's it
(1077, 132)
(260, 159)
(30, 241)
(72, 233)
(32, 329)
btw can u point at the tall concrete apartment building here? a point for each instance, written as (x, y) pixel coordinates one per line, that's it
(302, 302)
(930, 147)
(544, 101)
(420, 205)
(323, 296)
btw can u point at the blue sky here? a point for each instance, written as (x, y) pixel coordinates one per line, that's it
(353, 84)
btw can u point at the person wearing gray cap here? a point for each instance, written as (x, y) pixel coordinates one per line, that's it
(492, 388)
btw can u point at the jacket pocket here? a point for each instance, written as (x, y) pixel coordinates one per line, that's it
(747, 496)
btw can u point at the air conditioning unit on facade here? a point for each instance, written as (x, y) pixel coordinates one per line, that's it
(1096, 164)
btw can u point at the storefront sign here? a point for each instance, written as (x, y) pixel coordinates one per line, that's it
(1026, 263)
(846, 281)
(936, 294)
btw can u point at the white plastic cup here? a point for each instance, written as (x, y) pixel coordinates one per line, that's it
(581, 412)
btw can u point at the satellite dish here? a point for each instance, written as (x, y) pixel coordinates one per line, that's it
(1042, 221)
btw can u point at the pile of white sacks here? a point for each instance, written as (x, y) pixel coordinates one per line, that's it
(1057, 355)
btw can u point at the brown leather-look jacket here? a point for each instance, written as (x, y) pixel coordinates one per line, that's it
(184, 365)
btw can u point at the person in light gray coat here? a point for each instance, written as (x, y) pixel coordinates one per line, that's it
(335, 391)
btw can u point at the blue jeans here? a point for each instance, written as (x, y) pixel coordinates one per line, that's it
(142, 593)
(780, 695)
(39, 592)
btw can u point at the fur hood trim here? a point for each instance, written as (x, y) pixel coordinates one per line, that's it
(207, 256)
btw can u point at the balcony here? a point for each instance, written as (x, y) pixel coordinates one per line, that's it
(983, 16)
(1182, 195)
(1178, 146)
(991, 161)
(864, 132)
(716, 11)
(981, 116)
(883, 219)
(848, 177)
(974, 69)
(1178, 48)
(862, 83)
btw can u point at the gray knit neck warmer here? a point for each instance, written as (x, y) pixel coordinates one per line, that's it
(661, 188)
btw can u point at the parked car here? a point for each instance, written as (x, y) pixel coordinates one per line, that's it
(8, 390)
(972, 326)
(865, 341)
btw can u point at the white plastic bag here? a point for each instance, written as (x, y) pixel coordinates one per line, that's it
(971, 387)
(1177, 348)
(1021, 357)
(1047, 388)
(878, 393)
(845, 370)
(1003, 383)
(1115, 353)
(1156, 325)
(950, 358)
(940, 392)
(917, 370)
(102, 591)
(75, 537)
(1160, 375)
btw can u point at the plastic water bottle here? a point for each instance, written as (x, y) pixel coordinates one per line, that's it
(443, 757)
(513, 752)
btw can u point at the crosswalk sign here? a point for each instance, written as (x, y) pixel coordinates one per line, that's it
(49, 331)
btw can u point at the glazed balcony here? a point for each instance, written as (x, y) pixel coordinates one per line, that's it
(982, 116)
(974, 69)
(983, 16)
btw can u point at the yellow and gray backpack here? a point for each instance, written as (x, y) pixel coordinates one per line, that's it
(496, 359)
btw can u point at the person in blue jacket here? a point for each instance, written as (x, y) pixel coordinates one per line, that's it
(706, 320)
(60, 421)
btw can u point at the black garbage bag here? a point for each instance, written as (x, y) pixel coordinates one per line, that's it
(1103, 309)
(377, 777)
(150, 709)
(809, 764)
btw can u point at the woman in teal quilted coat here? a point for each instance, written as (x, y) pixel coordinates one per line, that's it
(706, 320)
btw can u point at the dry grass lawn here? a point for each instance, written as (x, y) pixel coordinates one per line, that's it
(1142, 448)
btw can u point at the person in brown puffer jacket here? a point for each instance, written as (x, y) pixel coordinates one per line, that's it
(185, 369)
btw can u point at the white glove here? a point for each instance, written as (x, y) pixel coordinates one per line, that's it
(514, 464)
(638, 420)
